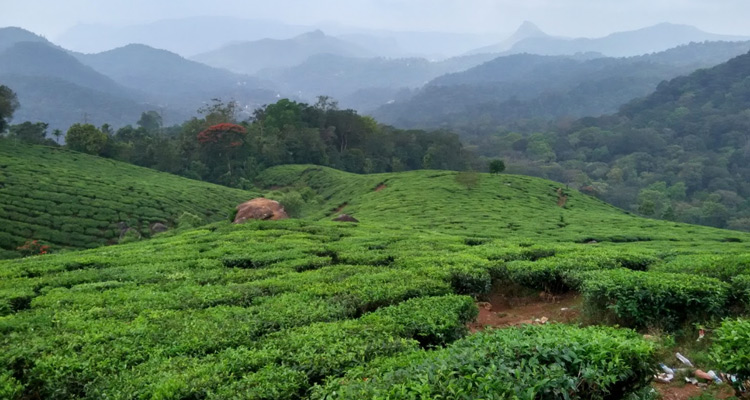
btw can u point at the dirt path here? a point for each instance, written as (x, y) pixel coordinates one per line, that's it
(504, 311)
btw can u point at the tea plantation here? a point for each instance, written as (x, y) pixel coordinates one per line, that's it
(313, 309)
(72, 200)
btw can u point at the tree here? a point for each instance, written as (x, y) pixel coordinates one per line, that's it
(57, 134)
(151, 121)
(85, 138)
(34, 133)
(497, 166)
(8, 106)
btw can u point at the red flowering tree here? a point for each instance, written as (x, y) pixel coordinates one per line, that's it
(223, 143)
(33, 248)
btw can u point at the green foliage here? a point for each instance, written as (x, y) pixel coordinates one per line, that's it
(73, 200)
(731, 347)
(188, 220)
(85, 138)
(33, 133)
(526, 363)
(497, 166)
(272, 308)
(468, 179)
(8, 105)
(655, 300)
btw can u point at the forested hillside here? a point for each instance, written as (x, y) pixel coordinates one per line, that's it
(525, 88)
(219, 148)
(681, 153)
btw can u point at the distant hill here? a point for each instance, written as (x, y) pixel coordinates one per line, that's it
(10, 36)
(56, 88)
(174, 82)
(74, 200)
(527, 30)
(41, 59)
(185, 36)
(532, 87)
(61, 103)
(381, 78)
(251, 57)
(622, 44)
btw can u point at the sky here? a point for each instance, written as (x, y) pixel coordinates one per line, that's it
(574, 18)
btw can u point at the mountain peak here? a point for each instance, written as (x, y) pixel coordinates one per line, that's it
(528, 29)
(316, 34)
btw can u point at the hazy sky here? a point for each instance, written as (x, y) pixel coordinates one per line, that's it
(561, 17)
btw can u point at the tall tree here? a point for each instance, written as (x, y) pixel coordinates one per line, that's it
(85, 138)
(8, 105)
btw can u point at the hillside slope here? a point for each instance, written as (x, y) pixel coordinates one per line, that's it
(270, 309)
(73, 200)
(522, 87)
(251, 57)
(175, 82)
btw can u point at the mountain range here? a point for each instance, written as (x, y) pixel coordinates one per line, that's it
(521, 87)
(531, 39)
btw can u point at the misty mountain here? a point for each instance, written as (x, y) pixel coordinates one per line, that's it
(174, 82)
(185, 36)
(41, 59)
(61, 103)
(10, 36)
(251, 57)
(527, 30)
(54, 87)
(622, 44)
(521, 87)
(363, 83)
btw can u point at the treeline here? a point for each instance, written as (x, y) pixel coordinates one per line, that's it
(221, 147)
(681, 154)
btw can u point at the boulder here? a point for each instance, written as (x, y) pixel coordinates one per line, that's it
(260, 208)
(345, 218)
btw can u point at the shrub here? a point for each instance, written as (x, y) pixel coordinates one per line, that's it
(187, 220)
(741, 291)
(496, 166)
(533, 362)
(731, 347)
(33, 248)
(650, 299)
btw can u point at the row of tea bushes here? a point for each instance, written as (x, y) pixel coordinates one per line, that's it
(283, 365)
(532, 362)
(74, 200)
(652, 299)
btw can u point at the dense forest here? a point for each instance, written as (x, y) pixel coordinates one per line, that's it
(680, 154)
(218, 147)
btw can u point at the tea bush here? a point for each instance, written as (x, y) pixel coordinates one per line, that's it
(731, 347)
(649, 299)
(532, 362)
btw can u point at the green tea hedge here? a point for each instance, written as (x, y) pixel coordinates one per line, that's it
(731, 347)
(650, 299)
(532, 362)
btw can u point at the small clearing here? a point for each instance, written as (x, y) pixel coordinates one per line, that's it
(503, 311)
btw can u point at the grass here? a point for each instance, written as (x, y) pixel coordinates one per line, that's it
(70, 200)
(285, 309)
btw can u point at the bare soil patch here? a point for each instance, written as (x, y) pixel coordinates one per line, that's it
(504, 310)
